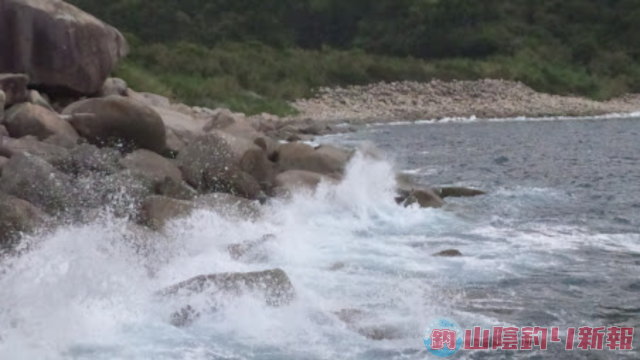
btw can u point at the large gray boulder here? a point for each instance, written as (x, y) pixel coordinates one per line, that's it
(116, 120)
(293, 180)
(57, 44)
(31, 178)
(17, 216)
(151, 165)
(86, 158)
(13, 85)
(326, 160)
(273, 286)
(10, 147)
(157, 210)
(205, 163)
(30, 119)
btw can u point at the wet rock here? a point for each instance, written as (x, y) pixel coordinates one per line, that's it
(250, 250)
(121, 192)
(17, 216)
(3, 162)
(175, 189)
(10, 147)
(230, 205)
(238, 145)
(256, 164)
(31, 178)
(3, 129)
(62, 141)
(273, 286)
(89, 158)
(293, 180)
(35, 39)
(113, 86)
(205, 162)
(29, 119)
(152, 166)
(448, 253)
(14, 86)
(118, 121)
(361, 322)
(426, 198)
(299, 156)
(157, 210)
(457, 191)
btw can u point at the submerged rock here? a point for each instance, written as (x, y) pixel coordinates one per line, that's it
(58, 45)
(361, 322)
(458, 191)
(116, 120)
(250, 250)
(449, 253)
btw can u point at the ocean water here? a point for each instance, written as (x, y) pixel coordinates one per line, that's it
(556, 242)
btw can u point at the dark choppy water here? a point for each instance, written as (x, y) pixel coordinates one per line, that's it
(555, 243)
(560, 230)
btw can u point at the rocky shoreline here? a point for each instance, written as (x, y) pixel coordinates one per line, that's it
(483, 99)
(76, 144)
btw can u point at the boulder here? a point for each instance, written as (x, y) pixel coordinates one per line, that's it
(157, 210)
(29, 119)
(31, 178)
(175, 189)
(368, 325)
(10, 147)
(17, 216)
(113, 86)
(36, 98)
(223, 118)
(14, 86)
(292, 180)
(151, 165)
(62, 141)
(3, 129)
(457, 191)
(121, 192)
(89, 158)
(115, 120)
(448, 253)
(250, 251)
(298, 156)
(274, 285)
(3, 162)
(205, 162)
(3, 99)
(238, 145)
(255, 163)
(58, 45)
(230, 205)
(426, 198)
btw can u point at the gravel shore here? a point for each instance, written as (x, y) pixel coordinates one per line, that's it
(487, 98)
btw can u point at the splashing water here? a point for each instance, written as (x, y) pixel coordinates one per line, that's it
(365, 280)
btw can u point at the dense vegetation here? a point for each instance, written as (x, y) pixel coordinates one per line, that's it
(253, 55)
